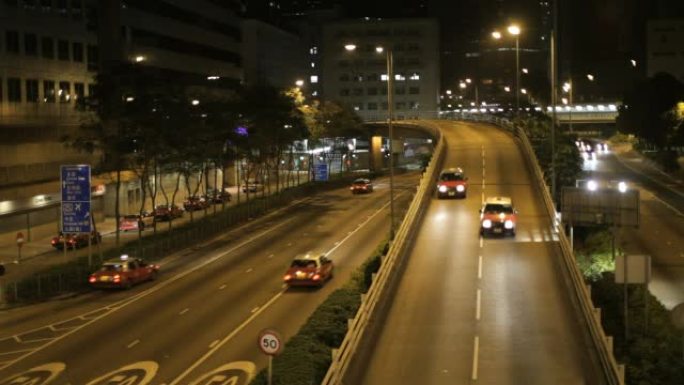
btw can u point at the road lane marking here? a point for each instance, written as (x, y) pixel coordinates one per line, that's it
(222, 287)
(211, 346)
(481, 242)
(477, 304)
(230, 336)
(184, 311)
(479, 268)
(249, 270)
(476, 353)
(132, 344)
(15, 352)
(270, 256)
(255, 309)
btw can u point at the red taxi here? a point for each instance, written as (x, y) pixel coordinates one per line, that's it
(361, 185)
(136, 221)
(309, 270)
(452, 183)
(498, 216)
(75, 241)
(123, 273)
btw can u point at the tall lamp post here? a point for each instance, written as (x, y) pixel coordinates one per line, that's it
(390, 101)
(515, 31)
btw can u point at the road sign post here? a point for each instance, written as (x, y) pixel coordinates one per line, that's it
(76, 214)
(270, 343)
(20, 242)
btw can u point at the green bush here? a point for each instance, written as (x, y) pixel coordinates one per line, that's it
(653, 352)
(307, 355)
(594, 253)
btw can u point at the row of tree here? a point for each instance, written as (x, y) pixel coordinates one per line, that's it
(142, 121)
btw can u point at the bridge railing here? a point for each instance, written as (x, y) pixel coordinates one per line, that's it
(386, 279)
(614, 373)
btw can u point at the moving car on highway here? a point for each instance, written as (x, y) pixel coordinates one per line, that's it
(309, 270)
(452, 183)
(498, 216)
(123, 273)
(361, 185)
(75, 241)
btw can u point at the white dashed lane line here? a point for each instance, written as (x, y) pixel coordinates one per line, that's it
(132, 344)
(477, 304)
(184, 311)
(222, 287)
(255, 310)
(479, 268)
(249, 270)
(476, 353)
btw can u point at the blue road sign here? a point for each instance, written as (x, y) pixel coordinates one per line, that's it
(76, 215)
(321, 172)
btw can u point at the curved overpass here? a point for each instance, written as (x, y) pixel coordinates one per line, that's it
(466, 309)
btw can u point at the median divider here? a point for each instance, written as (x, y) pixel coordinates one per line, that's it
(374, 304)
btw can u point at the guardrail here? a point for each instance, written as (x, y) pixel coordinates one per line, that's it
(386, 278)
(614, 373)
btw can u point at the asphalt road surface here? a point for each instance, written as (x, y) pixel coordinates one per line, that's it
(469, 310)
(206, 310)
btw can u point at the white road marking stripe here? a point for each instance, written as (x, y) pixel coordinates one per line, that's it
(249, 270)
(222, 287)
(477, 304)
(255, 310)
(17, 338)
(270, 256)
(184, 311)
(37, 340)
(479, 268)
(213, 344)
(132, 344)
(481, 242)
(15, 351)
(476, 353)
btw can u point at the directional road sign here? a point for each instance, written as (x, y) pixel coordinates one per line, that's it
(76, 215)
(321, 172)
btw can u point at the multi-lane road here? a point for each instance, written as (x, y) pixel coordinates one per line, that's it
(206, 310)
(472, 310)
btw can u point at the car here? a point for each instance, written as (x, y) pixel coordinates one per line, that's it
(498, 216)
(136, 221)
(309, 270)
(167, 212)
(75, 241)
(195, 203)
(361, 185)
(452, 183)
(252, 186)
(216, 196)
(123, 272)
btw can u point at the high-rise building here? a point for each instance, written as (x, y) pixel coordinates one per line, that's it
(359, 78)
(51, 52)
(665, 50)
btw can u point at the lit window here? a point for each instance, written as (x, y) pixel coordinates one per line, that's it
(314, 79)
(383, 77)
(399, 77)
(313, 50)
(315, 93)
(415, 76)
(313, 65)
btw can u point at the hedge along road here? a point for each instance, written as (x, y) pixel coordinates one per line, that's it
(176, 322)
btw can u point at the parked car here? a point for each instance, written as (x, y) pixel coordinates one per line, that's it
(217, 196)
(123, 273)
(498, 216)
(196, 203)
(252, 186)
(309, 270)
(167, 212)
(452, 183)
(133, 222)
(361, 185)
(75, 241)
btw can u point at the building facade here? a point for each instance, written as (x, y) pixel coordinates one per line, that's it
(48, 58)
(358, 78)
(665, 49)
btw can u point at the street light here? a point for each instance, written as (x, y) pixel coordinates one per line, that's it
(515, 31)
(390, 101)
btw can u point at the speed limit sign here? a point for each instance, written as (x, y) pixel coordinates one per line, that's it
(270, 342)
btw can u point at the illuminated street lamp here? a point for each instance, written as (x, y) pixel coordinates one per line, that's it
(515, 31)
(390, 101)
(299, 82)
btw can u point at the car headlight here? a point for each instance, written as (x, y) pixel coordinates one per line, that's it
(460, 188)
(487, 223)
(508, 224)
(442, 188)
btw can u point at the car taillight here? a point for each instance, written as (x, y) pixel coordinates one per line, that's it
(92, 279)
(54, 242)
(316, 277)
(117, 278)
(287, 277)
